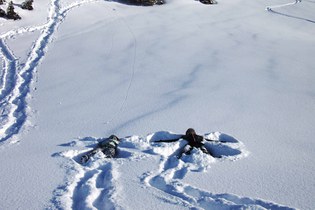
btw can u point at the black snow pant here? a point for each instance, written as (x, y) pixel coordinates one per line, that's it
(187, 150)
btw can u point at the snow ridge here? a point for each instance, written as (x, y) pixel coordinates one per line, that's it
(96, 184)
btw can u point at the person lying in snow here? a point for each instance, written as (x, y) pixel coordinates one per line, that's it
(193, 139)
(108, 146)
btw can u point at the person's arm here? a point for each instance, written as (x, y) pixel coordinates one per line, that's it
(168, 140)
(210, 139)
(102, 142)
(214, 140)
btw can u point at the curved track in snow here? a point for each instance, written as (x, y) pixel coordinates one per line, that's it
(271, 8)
(17, 83)
(14, 99)
(169, 177)
(97, 183)
(274, 8)
(16, 79)
(94, 185)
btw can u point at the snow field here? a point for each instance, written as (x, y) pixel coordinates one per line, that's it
(234, 67)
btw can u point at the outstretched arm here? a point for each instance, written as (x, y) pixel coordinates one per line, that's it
(168, 140)
(209, 139)
(214, 140)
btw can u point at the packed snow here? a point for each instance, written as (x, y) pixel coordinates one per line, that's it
(240, 72)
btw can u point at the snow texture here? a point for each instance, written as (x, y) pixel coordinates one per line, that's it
(94, 68)
(95, 185)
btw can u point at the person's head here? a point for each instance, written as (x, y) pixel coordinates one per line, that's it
(113, 137)
(190, 132)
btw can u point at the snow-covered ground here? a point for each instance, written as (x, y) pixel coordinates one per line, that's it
(240, 72)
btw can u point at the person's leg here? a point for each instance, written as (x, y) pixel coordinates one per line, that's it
(109, 152)
(187, 149)
(94, 151)
(204, 150)
(88, 155)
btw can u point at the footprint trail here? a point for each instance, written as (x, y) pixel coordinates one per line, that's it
(16, 78)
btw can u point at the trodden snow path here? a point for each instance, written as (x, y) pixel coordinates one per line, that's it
(16, 78)
(13, 96)
(96, 184)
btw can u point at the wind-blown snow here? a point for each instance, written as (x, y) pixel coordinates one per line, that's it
(77, 68)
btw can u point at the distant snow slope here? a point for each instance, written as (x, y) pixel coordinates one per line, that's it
(93, 68)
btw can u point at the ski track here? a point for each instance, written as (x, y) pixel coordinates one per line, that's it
(95, 185)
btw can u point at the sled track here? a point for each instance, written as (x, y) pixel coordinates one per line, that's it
(97, 186)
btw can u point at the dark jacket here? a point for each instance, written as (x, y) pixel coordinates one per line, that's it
(194, 141)
(107, 143)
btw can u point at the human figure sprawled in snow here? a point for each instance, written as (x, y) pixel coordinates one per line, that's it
(108, 146)
(193, 139)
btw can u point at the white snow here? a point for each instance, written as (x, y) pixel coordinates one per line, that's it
(240, 72)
